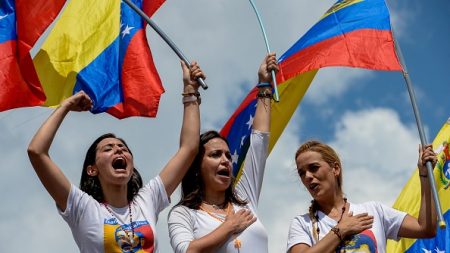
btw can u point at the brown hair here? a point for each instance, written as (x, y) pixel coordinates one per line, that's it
(192, 186)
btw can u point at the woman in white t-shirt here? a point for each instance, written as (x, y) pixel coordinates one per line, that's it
(335, 225)
(112, 211)
(214, 214)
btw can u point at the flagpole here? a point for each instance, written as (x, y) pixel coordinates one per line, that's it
(276, 96)
(423, 139)
(165, 38)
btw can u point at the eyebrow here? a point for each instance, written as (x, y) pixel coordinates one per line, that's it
(112, 145)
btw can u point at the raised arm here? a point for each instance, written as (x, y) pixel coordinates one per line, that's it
(172, 174)
(51, 176)
(425, 225)
(261, 121)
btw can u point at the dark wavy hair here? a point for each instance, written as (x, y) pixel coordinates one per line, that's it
(192, 186)
(91, 184)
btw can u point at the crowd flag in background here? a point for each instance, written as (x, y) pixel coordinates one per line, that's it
(96, 46)
(353, 33)
(409, 201)
(21, 24)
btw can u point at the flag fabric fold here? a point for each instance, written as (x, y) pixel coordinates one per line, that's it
(409, 200)
(21, 24)
(96, 46)
(353, 33)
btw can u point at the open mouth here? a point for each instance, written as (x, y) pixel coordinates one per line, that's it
(119, 163)
(225, 172)
(313, 186)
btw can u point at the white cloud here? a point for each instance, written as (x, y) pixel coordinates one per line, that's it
(379, 153)
(334, 82)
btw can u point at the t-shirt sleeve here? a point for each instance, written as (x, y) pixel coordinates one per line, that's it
(154, 194)
(181, 229)
(77, 202)
(249, 185)
(298, 233)
(392, 220)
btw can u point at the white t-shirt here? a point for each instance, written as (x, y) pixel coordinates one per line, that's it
(96, 230)
(386, 223)
(186, 225)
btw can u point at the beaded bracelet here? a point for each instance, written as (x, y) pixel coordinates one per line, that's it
(264, 94)
(263, 85)
(337, 232)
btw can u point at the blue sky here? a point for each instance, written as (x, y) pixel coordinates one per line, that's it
(366, 115)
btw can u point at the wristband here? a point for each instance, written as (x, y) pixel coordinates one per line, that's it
(187, 94)
(191, 98)
(263, 85)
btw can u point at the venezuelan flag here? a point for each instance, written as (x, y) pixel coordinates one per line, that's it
(21, 24)
(354, 33)
(409, 200)
(96, 46)
(100, 47)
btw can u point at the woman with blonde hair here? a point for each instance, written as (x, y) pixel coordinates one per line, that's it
(333, 224)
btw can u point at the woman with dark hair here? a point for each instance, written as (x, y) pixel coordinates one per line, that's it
(112, 211)
(335, 225)
(215, 214)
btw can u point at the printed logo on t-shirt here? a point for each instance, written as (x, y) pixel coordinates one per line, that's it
(119, 238)
(365, 242)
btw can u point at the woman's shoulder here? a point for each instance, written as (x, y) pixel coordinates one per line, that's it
(301, 218)
(181, 210)
(370, 207)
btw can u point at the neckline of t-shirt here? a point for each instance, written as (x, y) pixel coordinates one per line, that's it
(328, 220)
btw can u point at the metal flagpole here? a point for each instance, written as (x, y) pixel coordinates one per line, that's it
(423, 139)
(165, 38)
(276, 96)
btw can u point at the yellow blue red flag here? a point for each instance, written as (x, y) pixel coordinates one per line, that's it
(354, 33)
(99, 47)
(21, 24)
(409, 201)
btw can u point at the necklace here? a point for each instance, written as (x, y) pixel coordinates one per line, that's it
(340, 218)
(237, 242)
(216, 207)
(130, 235)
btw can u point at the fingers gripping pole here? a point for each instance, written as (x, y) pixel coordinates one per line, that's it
(165, 38)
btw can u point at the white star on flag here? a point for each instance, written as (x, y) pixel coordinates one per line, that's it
(426, 251)
(126, 31)
(438, 250)
(250, 122)
(242, 140)
(2, 17)
(234, 157)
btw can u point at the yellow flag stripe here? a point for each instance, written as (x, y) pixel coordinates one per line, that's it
(83, 31)
(409, 198)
